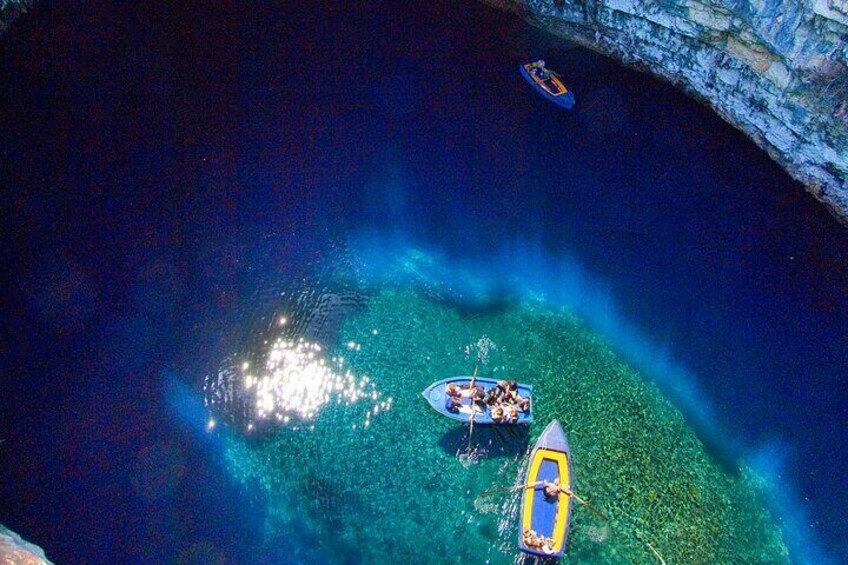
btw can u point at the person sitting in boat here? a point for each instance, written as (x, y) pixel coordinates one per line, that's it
(534, 541)
(452, 389)
(497, 414)
(553, 489)
(514, 397)
(469, 391)
(523, 404)
(453, 403)
(498, 391)
(478, 399)
(492, 397)
(510, 413)
(542, 72)
(530, 538)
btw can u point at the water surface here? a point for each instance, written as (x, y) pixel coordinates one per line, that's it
(172, 172)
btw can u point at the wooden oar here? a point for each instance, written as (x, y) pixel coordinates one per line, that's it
(655, 552)
(517, 487)
(568, 492)
(597, 512)
(651, 547)
(473, 413)
(471, 428)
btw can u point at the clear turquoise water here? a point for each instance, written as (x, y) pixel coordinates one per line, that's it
(345, 483)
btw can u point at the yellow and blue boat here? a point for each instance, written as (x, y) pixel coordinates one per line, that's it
(547, 517)
(547, 83)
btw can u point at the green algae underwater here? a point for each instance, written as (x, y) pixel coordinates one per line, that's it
(402, 486)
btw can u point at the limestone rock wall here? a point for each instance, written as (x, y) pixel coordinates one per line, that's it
(11, 9)
(776, 69)
(16, 551)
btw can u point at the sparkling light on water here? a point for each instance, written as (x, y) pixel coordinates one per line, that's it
(297, 381)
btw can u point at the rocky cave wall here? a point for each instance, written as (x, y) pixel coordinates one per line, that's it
(776, 69)
(11, 9)
(14, 550)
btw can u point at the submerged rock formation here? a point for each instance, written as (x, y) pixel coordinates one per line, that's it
(776, 69)
(14, 550)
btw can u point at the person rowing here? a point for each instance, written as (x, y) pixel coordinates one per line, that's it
(473, 392)
(478, 399)
(553, 489)
(541, 70)
(495, 395)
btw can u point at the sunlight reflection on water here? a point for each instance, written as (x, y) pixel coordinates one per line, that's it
(289, 384)
(297, 380)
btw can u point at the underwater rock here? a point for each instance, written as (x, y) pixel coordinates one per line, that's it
(775, 69)
(10, 10)
(14, 550)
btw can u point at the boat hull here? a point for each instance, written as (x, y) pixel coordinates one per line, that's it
(553, 88)
(548, 517)
(435, 396)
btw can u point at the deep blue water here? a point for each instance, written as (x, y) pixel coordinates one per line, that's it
(160, 165)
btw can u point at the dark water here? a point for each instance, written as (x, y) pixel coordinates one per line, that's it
(167, 171)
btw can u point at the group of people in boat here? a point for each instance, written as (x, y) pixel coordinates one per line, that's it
(503, 400)
(540, 543)
(504, 403)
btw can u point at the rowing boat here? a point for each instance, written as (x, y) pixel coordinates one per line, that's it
(437, 397)
(547, 516)
(548, 84)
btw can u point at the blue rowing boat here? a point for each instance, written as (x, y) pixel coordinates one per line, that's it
(438, 399)
(547, 517)
(548, 84)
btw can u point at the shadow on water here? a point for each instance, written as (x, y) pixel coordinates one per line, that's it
(493, 304)
(493, 441)
(331, 503)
